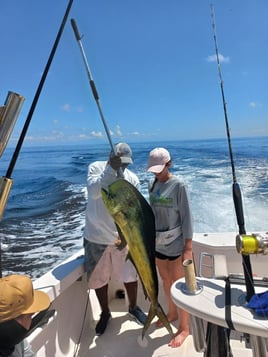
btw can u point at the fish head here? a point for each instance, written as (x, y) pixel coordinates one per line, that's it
(130, 212)
(109, 199)
(119, 200)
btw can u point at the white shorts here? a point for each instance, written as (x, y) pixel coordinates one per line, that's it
(112, 263)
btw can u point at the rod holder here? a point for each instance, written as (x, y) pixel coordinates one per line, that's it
(5, 187)
(8, 117)
(191, 286)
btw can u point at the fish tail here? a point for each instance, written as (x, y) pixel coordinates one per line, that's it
(163, 318)
(151, 315)
(156, 310)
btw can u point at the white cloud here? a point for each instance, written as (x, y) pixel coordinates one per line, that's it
(118, 130)
(80, 109)
(255, 104)
(222, 59)
(96, 134)
(66, 107)
(57, 134)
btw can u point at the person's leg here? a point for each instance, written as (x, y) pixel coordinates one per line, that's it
(130, 278)
(132, 290)
(183, 330)
(102, 295)
(124, 271)
(98, 281)
(177, 272)
(165, 268)
(134, 310)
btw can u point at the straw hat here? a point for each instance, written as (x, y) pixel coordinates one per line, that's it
(17, 297)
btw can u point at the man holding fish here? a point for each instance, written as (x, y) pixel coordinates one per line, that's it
(103, 257)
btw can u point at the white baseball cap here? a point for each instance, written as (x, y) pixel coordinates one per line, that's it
(158, 158)
(125, 153)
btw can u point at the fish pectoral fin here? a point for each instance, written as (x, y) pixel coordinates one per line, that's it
(104, 192)
(121, 241)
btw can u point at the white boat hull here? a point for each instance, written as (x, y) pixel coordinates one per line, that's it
(71, 331)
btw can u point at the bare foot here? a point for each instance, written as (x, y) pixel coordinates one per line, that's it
(178, 339)
(159, 323)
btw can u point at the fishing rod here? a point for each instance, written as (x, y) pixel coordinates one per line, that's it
(93, 87)
(237, 198)
(6, 181)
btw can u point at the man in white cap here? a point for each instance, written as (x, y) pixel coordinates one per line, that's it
(18, 303)
(103, 258)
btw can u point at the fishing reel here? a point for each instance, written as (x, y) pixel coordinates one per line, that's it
(252, 244)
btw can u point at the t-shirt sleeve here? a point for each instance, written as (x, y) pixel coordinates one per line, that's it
(185, 213)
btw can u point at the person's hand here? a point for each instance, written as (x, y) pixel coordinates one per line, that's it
(115, 162)
(188, 250)
(187, 254)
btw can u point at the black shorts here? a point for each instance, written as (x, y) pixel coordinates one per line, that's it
(165, 257)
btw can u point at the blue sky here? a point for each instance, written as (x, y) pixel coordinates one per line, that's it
(153, 63)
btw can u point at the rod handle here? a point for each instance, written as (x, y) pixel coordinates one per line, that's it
(94, 90)
(5, 187)
(75, 28)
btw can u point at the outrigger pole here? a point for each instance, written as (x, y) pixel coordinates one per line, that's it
(92, 83)
(6, 181)
(237, 198)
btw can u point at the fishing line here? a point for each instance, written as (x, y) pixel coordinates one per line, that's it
(237, 198)
(93, 87)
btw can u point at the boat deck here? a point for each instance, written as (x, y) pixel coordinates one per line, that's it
(122, 337)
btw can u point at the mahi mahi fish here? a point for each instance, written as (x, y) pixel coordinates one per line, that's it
(134, 218)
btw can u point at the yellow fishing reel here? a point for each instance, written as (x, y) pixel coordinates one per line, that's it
(252, 244)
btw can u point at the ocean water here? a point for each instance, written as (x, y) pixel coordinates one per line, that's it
(44, 217)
